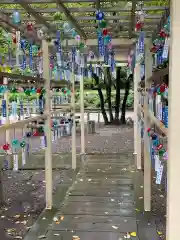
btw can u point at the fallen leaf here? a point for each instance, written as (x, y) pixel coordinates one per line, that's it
(137, 210)
(62, 217)
(42, 236)
(114, 227)
(55, 219)
(56, 234)
(159, 233)
(133, 234)
(75, 237)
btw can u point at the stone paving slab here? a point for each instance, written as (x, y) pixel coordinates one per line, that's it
(125, 199)
(99, 209)
(85, 235)
(98, 206)
(95, 223)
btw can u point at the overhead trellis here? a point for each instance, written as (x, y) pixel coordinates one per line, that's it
(117, 13)
(120, 15)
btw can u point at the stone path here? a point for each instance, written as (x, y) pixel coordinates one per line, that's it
(101, 202)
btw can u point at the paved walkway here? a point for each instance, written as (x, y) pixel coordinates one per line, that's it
(101, 204)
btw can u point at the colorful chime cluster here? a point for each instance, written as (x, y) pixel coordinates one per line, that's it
(161, 89)
(103, 30)
(140, 21)
(16, 18)
(27, 91)
(157, 146)
(63, 90)
(164, 34)
(68, 29)
(14, 144)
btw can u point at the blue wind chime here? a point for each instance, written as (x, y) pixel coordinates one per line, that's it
(141, 52)
(99, 18)
(73, 58)
(59, 70)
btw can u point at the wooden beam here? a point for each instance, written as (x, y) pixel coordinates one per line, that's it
(71, 19)
(133, 18)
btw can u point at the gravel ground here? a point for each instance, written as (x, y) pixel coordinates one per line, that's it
(24, 191)
(159, 206)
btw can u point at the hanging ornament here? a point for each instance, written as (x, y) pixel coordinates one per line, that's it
(6, 147)
(33, 90)
(81, 46)
(22, 144)
(40, 34)
(107, 39)
(153, 49)
(77, 38)
(105, 31)
(91, 54)
(103, 24)
(162, 34)
(28, 134)
(66, 27)
(109, 46)
(141, 16)
(16, 17)
(27, 92)
(73, 33)
(29, 26)
(99, 15)
(15, 143)
(139, 26)
(38, 91)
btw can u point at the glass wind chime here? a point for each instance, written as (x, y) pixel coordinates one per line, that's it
(104, 41)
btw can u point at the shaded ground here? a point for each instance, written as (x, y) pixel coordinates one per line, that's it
(159, 206)
(25, 192)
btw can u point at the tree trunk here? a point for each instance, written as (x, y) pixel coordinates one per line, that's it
(117, 101)
(123, 109)
(101, 97)
(108, 94)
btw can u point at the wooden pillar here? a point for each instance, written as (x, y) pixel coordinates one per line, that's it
(137, 136)
(48, 149)
(147, 160)
(173, 175)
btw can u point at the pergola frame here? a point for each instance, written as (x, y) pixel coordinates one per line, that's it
(120, 15)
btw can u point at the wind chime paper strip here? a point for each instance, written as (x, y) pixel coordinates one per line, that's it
(166, 48)
(141, 42)
(157, 162)
(159, 174)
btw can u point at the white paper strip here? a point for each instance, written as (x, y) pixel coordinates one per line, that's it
(159, 174)
(157, 162)
(15, 162)
(23, 157)
(166, 48)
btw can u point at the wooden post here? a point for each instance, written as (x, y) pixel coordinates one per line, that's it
(173, 199)
(147, 160)
(48, 149)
